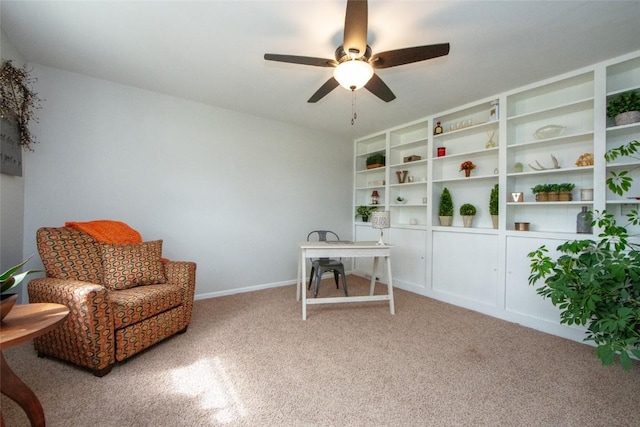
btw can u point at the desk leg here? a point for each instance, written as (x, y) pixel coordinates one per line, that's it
(390, 286)
(303, 285)
(12, 387)
(300, 280)
(373, 275)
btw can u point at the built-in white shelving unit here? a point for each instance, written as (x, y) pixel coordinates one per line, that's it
(482, 267)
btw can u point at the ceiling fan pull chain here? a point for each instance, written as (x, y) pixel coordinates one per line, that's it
(354, 114)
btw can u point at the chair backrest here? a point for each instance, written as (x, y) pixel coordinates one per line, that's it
(70, 254)
(322, 235)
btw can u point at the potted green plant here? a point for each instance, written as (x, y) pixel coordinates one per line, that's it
(541, 192)
(565, 190)
(625, 108)
(493, 205)
(9, 280)
(375, 160)
(596, 283)
(365, 212)
(467, 211)
(553, 192)
(445, 208)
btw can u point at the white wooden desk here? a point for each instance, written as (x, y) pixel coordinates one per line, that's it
(345, 250)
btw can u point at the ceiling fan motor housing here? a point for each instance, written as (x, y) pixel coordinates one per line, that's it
(342, 56)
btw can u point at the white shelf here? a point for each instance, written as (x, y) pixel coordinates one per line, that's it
(570, 107)
(550, 141)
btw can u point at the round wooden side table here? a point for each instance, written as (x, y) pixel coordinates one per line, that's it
(24, 323)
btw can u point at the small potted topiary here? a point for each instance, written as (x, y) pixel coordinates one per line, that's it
(493, 205)
(445, 208)
(468, 211)
(625, 108)
(376, 160)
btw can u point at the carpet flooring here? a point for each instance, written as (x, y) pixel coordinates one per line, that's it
(250, 360)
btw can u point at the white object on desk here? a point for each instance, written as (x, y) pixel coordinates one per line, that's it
(345, 250)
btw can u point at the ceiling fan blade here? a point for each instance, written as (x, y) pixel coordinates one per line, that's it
(393, 58)
(379, 88)
(355, 26)
(304, 60)
(327, 87)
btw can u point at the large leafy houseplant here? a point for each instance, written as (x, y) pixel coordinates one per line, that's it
(596, 283)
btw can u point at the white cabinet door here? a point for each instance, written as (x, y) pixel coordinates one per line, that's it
(521, 298)
(465, 266)
(408, 258)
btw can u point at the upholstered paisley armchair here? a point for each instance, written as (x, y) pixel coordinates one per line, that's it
(123, 298)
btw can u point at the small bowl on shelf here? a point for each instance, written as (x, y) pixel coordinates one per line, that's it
(522, 226)
(549, 131)
(401, 200)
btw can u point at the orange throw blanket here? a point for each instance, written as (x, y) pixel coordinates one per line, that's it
(107, 231)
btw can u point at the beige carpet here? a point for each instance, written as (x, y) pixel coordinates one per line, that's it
(249, 360)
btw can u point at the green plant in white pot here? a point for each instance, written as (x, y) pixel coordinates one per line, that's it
(625, 108)
(494, 206)
(468, 212)
(445, 208)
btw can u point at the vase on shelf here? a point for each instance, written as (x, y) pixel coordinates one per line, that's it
(467, 173)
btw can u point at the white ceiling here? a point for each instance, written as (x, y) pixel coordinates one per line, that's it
(212, 51)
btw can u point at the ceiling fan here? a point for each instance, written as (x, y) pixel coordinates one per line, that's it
(354, 63)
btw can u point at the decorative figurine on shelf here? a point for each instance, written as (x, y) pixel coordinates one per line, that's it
(467, 167)
(585, 160)
(374, 197)
(438, 129)
(556, 165)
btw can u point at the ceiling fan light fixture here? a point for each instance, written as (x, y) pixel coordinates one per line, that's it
(353, 74)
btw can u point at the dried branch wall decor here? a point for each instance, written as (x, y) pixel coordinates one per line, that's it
(18, 101)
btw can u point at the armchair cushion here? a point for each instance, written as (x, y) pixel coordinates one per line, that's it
(133, 305)
(127, 266)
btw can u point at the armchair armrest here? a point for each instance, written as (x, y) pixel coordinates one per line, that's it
(183, 274)
(86, 337)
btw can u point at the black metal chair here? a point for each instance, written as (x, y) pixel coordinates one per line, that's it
(322, 265)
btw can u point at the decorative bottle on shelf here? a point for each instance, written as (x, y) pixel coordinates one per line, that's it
(374, 197)
(583, 222)
(438, 129)
(494, 112)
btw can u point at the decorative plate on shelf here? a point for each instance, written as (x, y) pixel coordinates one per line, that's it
(549, 131)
